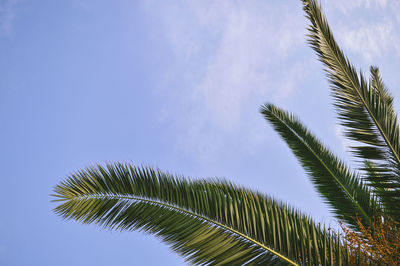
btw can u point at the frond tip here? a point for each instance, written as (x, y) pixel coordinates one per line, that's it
(206, 222)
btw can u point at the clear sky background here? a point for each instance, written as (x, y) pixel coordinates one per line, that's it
(173, 84)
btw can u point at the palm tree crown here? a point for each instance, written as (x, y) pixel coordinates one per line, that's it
(211, 221)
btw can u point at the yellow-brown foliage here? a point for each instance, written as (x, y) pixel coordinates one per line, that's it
(378, 245)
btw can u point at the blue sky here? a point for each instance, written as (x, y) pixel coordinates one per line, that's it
(171, 84)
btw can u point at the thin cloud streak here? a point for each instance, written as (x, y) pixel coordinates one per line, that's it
(372, 42)
(228, 55)
(346, 6)
(370, 35)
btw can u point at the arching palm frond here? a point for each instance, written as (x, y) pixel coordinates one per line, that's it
(207, 221)
(343, 190)
(364, 110)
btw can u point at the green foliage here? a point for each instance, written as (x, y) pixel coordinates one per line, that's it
(365, 110)
(207, 221)
(214, 222)
(341, 189)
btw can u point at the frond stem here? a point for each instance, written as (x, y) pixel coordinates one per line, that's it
(197, 216)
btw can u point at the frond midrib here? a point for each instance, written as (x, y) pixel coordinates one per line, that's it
(143, 199)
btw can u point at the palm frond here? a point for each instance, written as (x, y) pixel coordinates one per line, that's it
(345, 193)
(206, 221)
(380, 88)
(365, 110)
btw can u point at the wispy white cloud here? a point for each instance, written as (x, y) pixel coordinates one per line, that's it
(232, 56)
(346, 6)
(372, 41)
(395, 5)
(228, 56)
(7, 15)
(367, 28)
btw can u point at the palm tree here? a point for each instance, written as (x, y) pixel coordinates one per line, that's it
(211, 221)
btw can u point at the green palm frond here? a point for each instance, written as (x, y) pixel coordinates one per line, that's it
(206, 221)
(365, 110)
(380, 88)
(343, 190)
